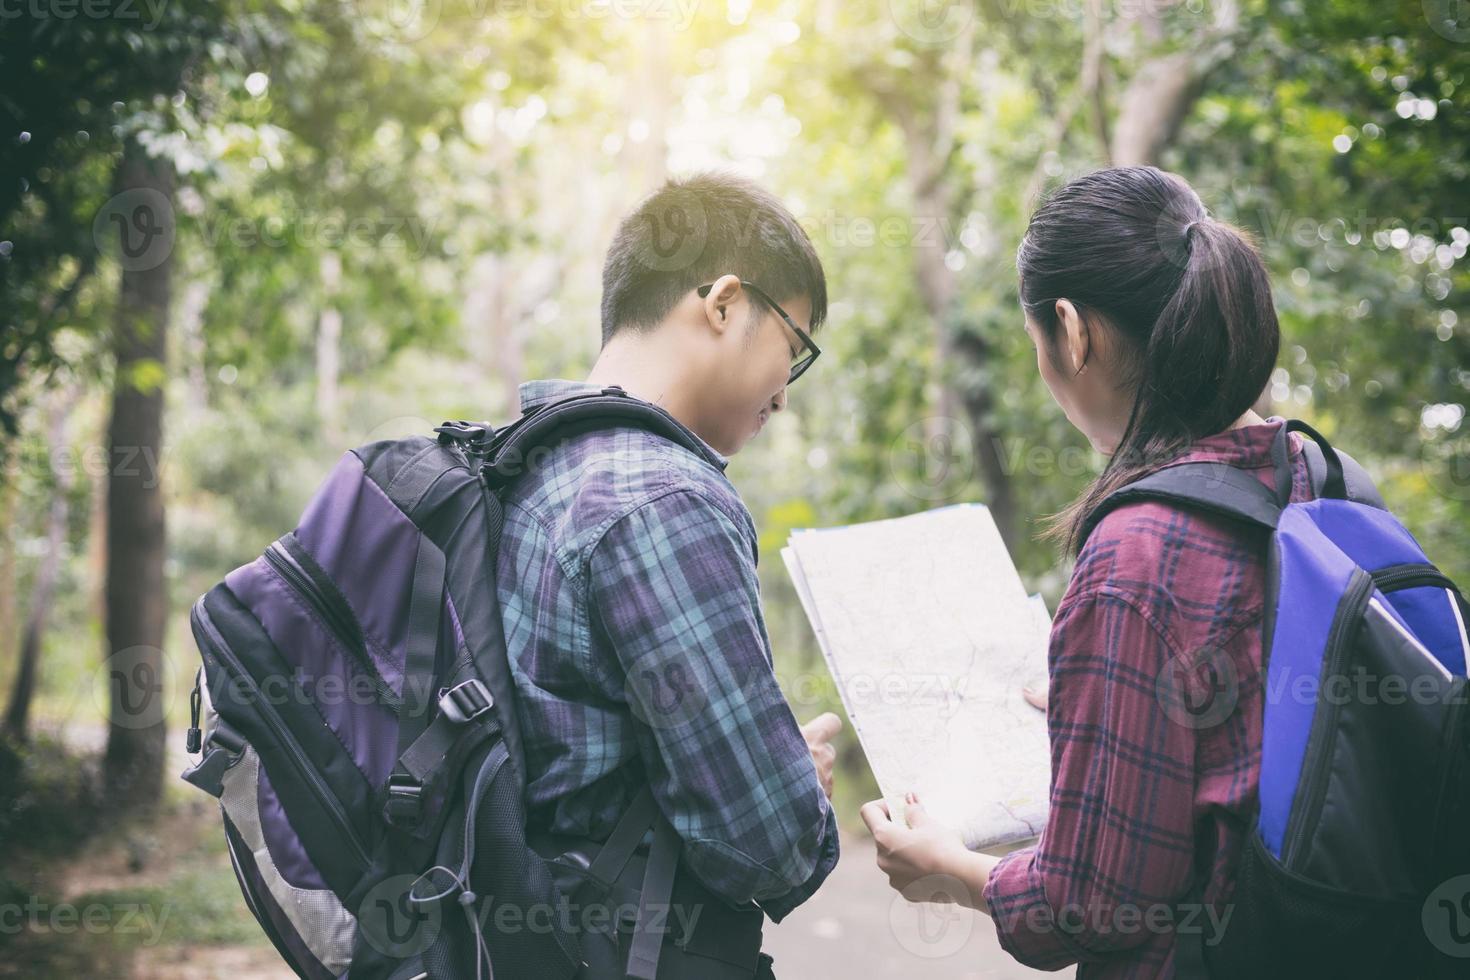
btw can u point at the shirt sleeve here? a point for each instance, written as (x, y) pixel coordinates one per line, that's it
(1116, 853)
(674, 587)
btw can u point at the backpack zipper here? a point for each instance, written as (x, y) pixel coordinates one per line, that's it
(221, 651)
(331, 611)
(1324, 725)
(1392, 578)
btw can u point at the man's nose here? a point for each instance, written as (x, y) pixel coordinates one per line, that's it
(778, 401)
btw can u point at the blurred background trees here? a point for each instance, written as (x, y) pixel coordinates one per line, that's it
(239, 237)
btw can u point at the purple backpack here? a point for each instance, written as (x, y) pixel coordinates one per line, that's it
(356, 718)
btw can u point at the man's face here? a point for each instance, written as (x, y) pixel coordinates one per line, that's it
(753, 362)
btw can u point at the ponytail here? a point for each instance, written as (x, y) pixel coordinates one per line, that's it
(1188, 296)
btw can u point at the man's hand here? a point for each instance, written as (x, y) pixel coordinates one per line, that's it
(819, 733)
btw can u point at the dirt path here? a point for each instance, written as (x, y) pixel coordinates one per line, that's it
(856, 926)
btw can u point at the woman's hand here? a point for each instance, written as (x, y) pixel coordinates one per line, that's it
(1035, 698)
(926, 861)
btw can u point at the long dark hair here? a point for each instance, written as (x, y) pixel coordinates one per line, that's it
(1187, 297)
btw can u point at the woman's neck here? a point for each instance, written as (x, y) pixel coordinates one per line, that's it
(1249, 418)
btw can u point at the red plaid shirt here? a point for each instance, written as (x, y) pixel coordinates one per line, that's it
(1143, 790)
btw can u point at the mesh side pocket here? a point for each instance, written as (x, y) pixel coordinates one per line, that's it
(314, 920)
(1283, 925)
(517, 901)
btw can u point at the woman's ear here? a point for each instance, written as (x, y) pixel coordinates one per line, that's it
(1076, 337)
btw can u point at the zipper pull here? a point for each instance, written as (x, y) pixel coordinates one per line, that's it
(194, 738)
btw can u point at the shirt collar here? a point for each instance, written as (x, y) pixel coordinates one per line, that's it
(534, 394)
(1248, 447)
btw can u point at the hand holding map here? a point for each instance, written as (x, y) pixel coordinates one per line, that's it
(930, 636)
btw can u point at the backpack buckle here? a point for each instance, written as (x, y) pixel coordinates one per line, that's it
(405, 801)
(465, 701)
(473, 434)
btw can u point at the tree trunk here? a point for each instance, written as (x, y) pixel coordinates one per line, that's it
(17, 712)
(9, 616)
(1164, 89)
(929, 141)
(329, 349)
(135, 591)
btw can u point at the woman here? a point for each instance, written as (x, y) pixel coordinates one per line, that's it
(1155, 331)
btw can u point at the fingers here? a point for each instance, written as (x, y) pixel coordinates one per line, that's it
(1037, 699)
(825, 755)
(822, 728)
(824, 758)
(875, 815)
(914, 811)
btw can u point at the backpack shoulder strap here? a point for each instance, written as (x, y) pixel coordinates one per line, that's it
(1360, 486)
(506, 454)
(1216, 488)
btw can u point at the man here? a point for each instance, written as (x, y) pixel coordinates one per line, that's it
(627, 574)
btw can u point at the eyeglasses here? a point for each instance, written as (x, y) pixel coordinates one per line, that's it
(802, 359)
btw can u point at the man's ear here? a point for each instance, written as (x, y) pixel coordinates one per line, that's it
(1076, 336)
(718, 305)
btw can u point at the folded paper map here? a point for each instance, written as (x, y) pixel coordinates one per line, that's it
(930, 636)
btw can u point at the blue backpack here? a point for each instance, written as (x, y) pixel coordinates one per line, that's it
(355, 715)
(1357, 863)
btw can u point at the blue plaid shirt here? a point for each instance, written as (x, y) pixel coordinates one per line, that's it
(627, 582)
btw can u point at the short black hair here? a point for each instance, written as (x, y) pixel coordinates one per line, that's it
(693, 230)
